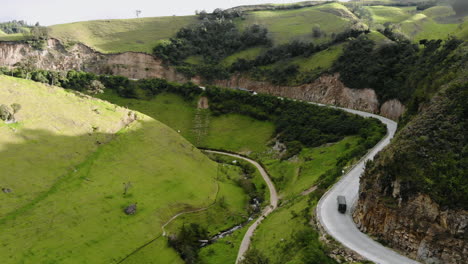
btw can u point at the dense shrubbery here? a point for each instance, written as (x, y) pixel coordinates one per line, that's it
(211, 39)
(430, 154)
(216, 37)
(287, 74)
(295, 121)
(393, 70)
(14, 27)
(187, 242)
(84, 81)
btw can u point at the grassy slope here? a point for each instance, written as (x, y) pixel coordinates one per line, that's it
(77, 216)
(232, 132)
(142, 34)
(220, 216)
(276, 231)
(319, 61)
(288, 25)
(432, 23)
(118, 35)
(383, 14)
(248, 54)
(11, 37)
(294, 176)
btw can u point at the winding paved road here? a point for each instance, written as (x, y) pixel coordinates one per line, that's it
(273, 203)
(341, 226)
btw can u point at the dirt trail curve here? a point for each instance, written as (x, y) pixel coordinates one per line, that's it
(273, 202)
(341, 226)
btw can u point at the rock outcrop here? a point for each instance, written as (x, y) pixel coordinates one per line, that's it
(413, 196)
(327, 89)
(419, 227)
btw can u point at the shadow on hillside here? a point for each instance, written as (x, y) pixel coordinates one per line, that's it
(45, 170)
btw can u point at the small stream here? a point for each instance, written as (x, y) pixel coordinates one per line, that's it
(255, 204)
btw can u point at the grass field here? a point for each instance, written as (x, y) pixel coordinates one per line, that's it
(248, 54)
(142, 34)
(119, 35)
(383, 14)
(67, 201)
(421, 26)
(228, 211)
(291, 177)
(11, 37)
(231, 132)
(287, 25)
(238, 133)
(286, 235)
(169, 109)
(224, 250)
(319, 61)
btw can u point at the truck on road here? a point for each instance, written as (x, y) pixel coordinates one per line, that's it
(341, 203)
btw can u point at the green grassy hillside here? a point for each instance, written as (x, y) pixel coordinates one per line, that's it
(142, 34)
(287, 25)
(67, 168)
(119, 35)
(232, 132)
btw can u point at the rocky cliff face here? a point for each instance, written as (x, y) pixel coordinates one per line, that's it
(327, 89)
(418, 227)
(80, 57)
(414, 195)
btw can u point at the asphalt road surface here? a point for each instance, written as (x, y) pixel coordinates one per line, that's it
(341, 226)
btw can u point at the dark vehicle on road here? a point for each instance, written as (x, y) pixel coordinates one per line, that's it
(341, 204)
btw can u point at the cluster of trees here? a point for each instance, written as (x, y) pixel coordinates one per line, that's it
(294, 121)
(94, 84)
(14, 27)
(187, 242)
(430, 155)
(219, 13)
(285, 74)
(392, 69)
(213, 40)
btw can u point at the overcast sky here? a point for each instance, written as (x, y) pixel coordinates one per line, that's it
(49, 12)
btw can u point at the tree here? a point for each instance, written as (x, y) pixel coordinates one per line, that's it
(316, 31)
(7, 113)
(95, 87)
(39, 33)
(138, 12)
(27, 65)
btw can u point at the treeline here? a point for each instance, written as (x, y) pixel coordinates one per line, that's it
(213, 40)
(397, 69)
(93, 84)
(14, 27)
(284, 74)
(187, 242)
(308, 124)
(297, 123)
(218, 37)
(429, 155)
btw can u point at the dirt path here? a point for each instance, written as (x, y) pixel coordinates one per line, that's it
(273, 203)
